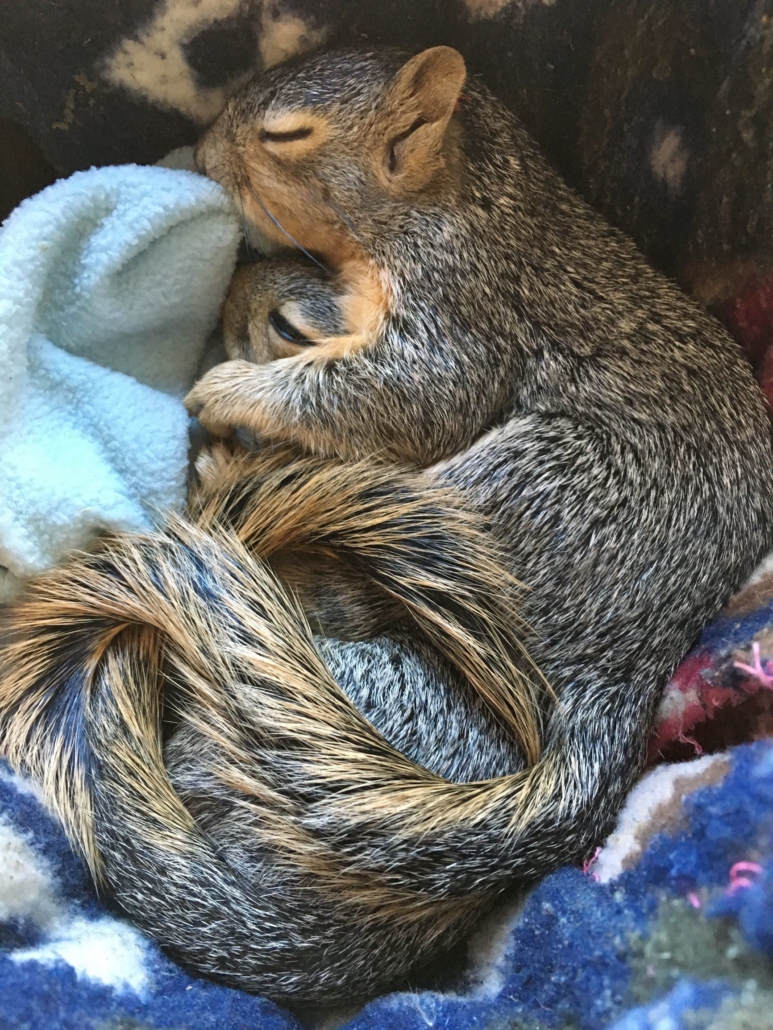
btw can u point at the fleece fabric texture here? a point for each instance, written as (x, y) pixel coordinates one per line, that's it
(668, 934)
(111, 282)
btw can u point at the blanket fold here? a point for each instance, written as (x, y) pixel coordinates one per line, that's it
(111, 282)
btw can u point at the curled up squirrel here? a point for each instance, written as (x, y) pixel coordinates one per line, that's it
(479, 381)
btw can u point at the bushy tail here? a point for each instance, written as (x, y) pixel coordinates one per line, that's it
(310, 859)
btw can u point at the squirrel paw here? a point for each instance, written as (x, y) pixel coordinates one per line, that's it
(217, 400)
(211, 466)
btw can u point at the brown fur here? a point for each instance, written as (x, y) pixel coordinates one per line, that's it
(564, 400)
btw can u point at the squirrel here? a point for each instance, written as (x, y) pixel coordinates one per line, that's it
(475, 382)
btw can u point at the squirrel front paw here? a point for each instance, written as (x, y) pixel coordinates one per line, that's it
(211, 466)
(221, 399)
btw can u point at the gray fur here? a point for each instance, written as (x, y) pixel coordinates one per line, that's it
(421, 705)
(610, 433)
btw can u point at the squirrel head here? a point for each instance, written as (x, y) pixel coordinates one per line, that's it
(320, 150)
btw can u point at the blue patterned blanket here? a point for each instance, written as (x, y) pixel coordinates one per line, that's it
(671, 926)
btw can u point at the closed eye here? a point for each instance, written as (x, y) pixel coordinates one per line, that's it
(266, 136)
(286, 329)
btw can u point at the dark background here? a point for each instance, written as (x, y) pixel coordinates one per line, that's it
(660, 113)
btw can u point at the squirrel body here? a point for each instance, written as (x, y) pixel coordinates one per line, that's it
(573, 422)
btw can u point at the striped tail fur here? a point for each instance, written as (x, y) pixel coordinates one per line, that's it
(278, 842)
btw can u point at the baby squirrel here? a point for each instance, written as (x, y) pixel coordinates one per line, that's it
(571, 420)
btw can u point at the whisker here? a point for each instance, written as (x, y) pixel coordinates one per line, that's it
(248, 238)
(245, 224)
(247, 183)
(255, 195)
(347, 221)
(247, 241)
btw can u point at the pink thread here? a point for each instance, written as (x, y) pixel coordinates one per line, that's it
(758, 671)
(694, 900)
(684, 739)
(745, 867)
(740, 882)
(589, 863)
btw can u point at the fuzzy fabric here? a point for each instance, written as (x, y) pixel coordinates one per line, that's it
(660, 113)
(110, 284)
(670, 926)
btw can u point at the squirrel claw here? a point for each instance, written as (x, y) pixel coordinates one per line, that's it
(224, 399)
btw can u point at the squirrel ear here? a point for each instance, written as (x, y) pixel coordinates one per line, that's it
(424, 95)
(431, 83)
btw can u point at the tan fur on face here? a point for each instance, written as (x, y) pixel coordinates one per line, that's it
(364, 306)
(285, 122)
(363, 298)
(367, 304)
(275, 186)
(263, 177)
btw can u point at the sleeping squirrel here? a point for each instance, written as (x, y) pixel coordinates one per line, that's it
(471, 383)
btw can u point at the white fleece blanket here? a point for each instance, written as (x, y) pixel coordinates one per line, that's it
(111, 282)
